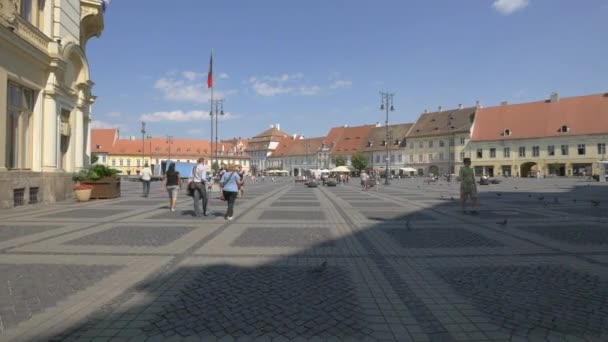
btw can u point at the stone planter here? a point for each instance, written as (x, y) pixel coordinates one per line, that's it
(104, 188)
(83, 195)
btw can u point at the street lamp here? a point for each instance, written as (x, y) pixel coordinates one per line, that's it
(387, 104)
(149, 137)
(218, 106)
(169, 142)
(143, 142)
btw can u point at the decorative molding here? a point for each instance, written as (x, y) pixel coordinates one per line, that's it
(91, 20)
(9, 10)
(31, 34)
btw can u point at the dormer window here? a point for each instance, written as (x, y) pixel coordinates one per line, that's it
(564, 129)
(383, 142)
(507, 132)
(370, 144)
(397, 142)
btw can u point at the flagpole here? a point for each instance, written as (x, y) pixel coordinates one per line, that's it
(211, 111)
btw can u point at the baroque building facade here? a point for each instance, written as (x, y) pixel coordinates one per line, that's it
(45, 96)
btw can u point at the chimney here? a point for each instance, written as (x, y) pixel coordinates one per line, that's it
(554, 97)
(294, 136)
(504, 103)
(132, 137)
(439, 109)
(478, 104)
(460, 106)
(426, 111)
(378, 124)
(278, 126)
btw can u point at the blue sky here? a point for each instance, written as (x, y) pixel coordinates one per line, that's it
(311, 65)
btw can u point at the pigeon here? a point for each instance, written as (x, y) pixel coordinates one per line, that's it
(321, 268)
(541, 198)
(503, 223)
(498, 194)
(408, 226)
(529, 195)
(595, 203)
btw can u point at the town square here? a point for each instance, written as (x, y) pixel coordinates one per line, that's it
(303, 171)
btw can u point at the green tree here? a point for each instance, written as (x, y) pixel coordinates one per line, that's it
(340, 161)
(359, 161)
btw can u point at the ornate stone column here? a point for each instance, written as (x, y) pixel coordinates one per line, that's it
(50, 126)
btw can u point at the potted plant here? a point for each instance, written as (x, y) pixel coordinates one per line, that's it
(82, 192)
(103, 179)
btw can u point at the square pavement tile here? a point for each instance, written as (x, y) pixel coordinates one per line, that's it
(384, 215)
(292, 215)
(284, 237)
(374, 204)
(16, 231)
(439, 238)
(283, 301)
(581, 233)
(532, 300)
(29, 289)
(133, 236)
(84, 213)
(295, 204)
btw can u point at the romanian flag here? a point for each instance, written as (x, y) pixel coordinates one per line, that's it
(210, 74)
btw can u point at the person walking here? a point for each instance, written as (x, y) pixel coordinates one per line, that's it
(242, 175)
(146, 177)
(199, 177)
(172, 183)
(467, 186)
(230, 184)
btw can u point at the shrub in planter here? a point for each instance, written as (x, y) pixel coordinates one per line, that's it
(105, 180)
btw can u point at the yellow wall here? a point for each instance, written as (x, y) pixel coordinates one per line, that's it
(543, 160)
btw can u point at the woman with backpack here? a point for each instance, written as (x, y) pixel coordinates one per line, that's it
(172, 182)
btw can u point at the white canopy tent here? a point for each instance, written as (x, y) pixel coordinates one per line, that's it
(408, 169)
(340, 169)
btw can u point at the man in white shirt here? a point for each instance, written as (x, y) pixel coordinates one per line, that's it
(146, 177)
(199, 177)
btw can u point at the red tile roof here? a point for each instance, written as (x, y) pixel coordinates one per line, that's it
(580, 115)
(378, 134)
(298, 147)
(443, 122)
(261, 141)
(347, 140)
(102, 140)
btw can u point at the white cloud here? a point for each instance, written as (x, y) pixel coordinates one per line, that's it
(181, 116)
(507, 7)
(187, 86)
(192, 75)
(341, 84)
(265, 89)
(224, 76)
(308, 91)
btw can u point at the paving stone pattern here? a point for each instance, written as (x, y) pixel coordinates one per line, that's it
(439, 238)
(284, 237)
(85, 213)
(575, 233)
(541, 298)
(15, 231)
(292, 215)
(28, 289)
(271, 301)
(243, 279)
(133, 236)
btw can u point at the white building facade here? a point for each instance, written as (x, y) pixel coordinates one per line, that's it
(45, 96)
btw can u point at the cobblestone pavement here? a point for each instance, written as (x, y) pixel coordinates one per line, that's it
(395, 263)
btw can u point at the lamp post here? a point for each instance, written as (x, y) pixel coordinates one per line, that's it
(169, 142)
(387, 104)
(149, 137)
(143, 142)
(217, 109)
